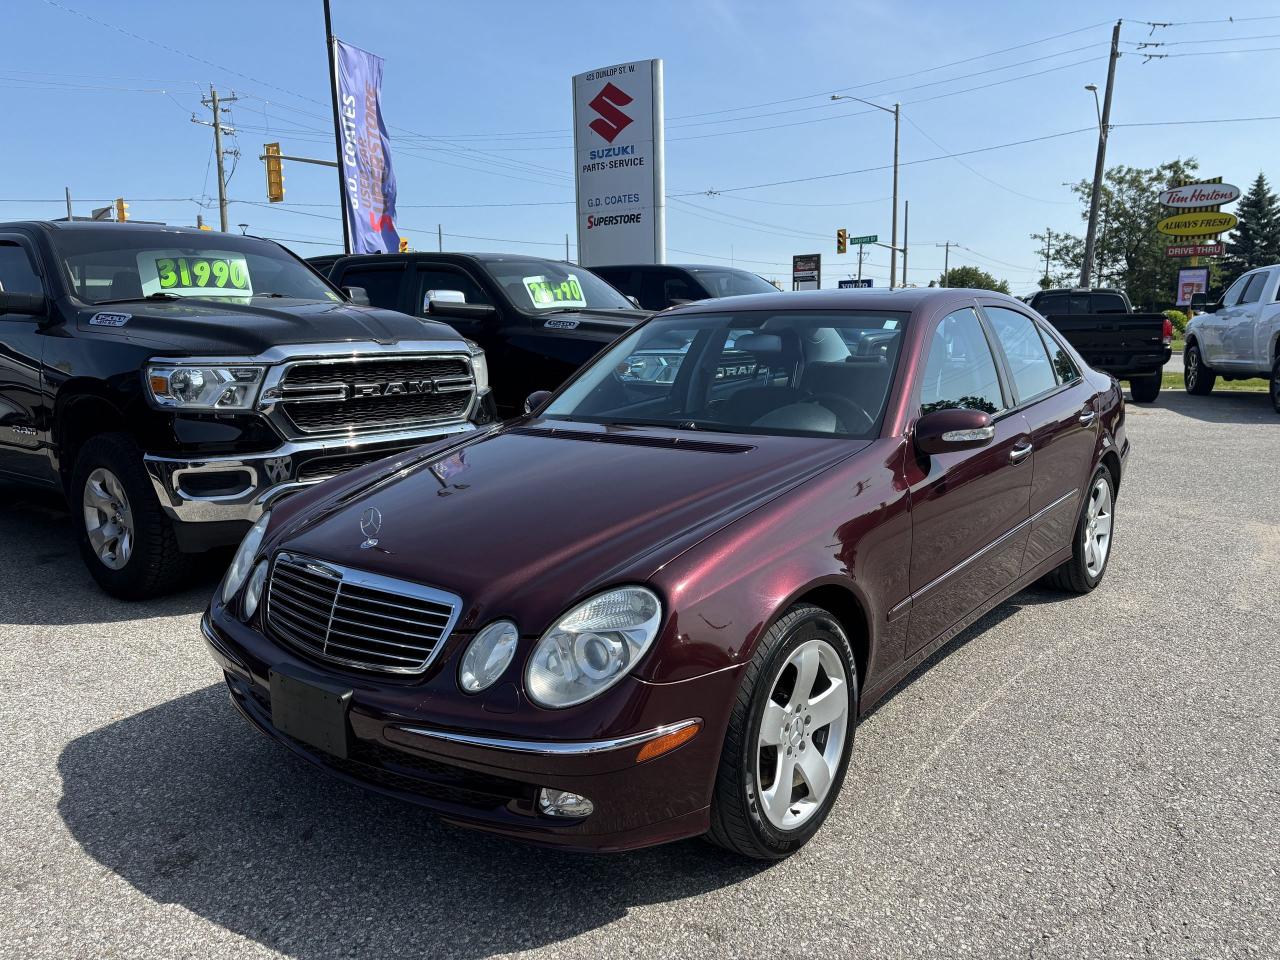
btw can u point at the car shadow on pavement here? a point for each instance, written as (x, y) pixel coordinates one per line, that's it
(48, 583)
(192, 807)
(1219, 407)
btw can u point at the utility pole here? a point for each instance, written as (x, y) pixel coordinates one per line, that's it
(946, 259)
(329, 41)
(566, 248)
(215, 104)
(906, 226)
(1048, 253)
(1104, 123)
(69, 217)
(440, 237)
(862, 255)
(893, 260)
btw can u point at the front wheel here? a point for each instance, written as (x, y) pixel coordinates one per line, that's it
(789, 738)
(1198, 378)
(1275, 384)
(1146, 389)
(126, 540)
(1091, 545)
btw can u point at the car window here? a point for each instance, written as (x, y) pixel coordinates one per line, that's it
(1028, 360)
(382, 284)
(1230, 298)
(1108, 303)
(960, 371)
(1253, 292)
(624, 279)
(431, 279)
(16, 273)
(1063, 366)
(1053, 303)
(660, 287)
(732, 283)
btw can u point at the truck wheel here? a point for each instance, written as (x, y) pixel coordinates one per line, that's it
(789, 738)
(1091, 545)
(1198, 378)
(126, 540)
(1275, 384)
(1145, 389)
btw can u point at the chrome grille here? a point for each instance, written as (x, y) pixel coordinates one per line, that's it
(356, 618)
(368, 394)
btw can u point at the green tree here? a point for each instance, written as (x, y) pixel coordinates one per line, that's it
(1256, 241)
(974, 279)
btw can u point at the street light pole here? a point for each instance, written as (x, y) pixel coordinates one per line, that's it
(897, 119)
(1104, 123)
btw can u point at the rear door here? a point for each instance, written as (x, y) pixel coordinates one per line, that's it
(383, 282)
(1238, 331)
(22, 451)
(1210, 326)
(1058, 406)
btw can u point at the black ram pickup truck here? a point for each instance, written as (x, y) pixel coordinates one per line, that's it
(1103, 327)
(537, 320)
(174, 383)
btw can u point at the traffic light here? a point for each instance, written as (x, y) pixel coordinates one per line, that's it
(275, 173)
(404, 244)
(122, 210)
(842, 240)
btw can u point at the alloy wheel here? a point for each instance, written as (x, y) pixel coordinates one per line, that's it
(802, 734)
(1192, 367)
(108, 519)
(1097, 529)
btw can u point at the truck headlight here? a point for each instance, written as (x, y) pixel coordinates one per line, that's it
(592, 647)
(204, 387)
(243, 560)
(479, 367)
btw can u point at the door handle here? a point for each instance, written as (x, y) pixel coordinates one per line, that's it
(1020, 453)
(1086, 417)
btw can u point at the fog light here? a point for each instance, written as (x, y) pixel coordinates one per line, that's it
(253, 591)
(560, 803)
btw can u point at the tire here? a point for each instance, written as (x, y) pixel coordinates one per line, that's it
(1196, 376)
(1082, 573)
(743, 817)
(138, 556)
(1145, 389)
(1275, 384)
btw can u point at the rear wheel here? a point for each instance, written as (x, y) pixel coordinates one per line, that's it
(126, 540)
(789, 738)
(1091, 546)
(1146, 389)
(1275, 384)
(1198, 378)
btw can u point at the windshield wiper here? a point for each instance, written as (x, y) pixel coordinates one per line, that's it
(149, 296)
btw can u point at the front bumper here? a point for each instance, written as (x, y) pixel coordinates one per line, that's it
(405, 740)
(242, 487)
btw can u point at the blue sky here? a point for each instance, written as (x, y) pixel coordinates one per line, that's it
(477, 95)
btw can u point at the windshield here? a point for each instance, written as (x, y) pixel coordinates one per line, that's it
(798, 373)
(539, 286)
(732, 283)
(107, 266)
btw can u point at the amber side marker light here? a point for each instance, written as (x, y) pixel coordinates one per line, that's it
(667, 742)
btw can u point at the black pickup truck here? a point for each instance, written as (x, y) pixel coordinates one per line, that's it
(537, 320)
(1102, 326)
(174, 383)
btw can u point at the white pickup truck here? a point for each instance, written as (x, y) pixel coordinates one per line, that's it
(1239, 336)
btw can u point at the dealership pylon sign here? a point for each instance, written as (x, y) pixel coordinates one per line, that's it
(619, 164)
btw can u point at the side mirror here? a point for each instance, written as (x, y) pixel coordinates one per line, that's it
(946, 431)
(357, 295)
(537, 400)
(24, 304)
(1199, 300)
(463, 311)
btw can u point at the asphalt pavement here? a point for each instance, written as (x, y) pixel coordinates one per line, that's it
(1073, 777)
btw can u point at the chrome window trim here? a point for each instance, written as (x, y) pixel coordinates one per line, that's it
(376, 581)
(551, 748)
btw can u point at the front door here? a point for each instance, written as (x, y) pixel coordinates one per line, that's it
(22, 451)
(968, 509)
(1238, 329)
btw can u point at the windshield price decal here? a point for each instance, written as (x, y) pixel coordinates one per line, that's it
(544, 293)
(202, 272)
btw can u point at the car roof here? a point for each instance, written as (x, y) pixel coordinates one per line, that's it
(672, 266)
(451, 255)
(902, 299)
(91, 226)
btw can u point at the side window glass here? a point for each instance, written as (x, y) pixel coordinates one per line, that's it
(1232, 295)
(1253, 292)
(1063, 366)
(678, 289)
(16, 273)
(432, 280)
(383, 286)
(1029, 363)
(960, 372)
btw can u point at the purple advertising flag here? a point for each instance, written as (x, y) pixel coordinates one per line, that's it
(369, 184)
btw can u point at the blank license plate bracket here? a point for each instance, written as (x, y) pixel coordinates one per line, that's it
(311, 709)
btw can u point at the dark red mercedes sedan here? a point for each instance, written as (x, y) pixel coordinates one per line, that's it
(656, 605)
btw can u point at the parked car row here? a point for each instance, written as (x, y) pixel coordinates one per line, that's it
(651, 606)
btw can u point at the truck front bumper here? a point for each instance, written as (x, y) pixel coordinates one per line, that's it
(237, 489)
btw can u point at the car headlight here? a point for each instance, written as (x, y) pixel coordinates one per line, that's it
(592, 647)
(488, 656)
(204, 388)
(253, 589)
(480, 367)
(243, 559)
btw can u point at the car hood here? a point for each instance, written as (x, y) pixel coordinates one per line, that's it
(524, 521)
(206, 328)
(612, 322)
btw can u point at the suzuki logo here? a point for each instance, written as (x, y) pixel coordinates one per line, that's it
(370, 525)
(611, 121)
